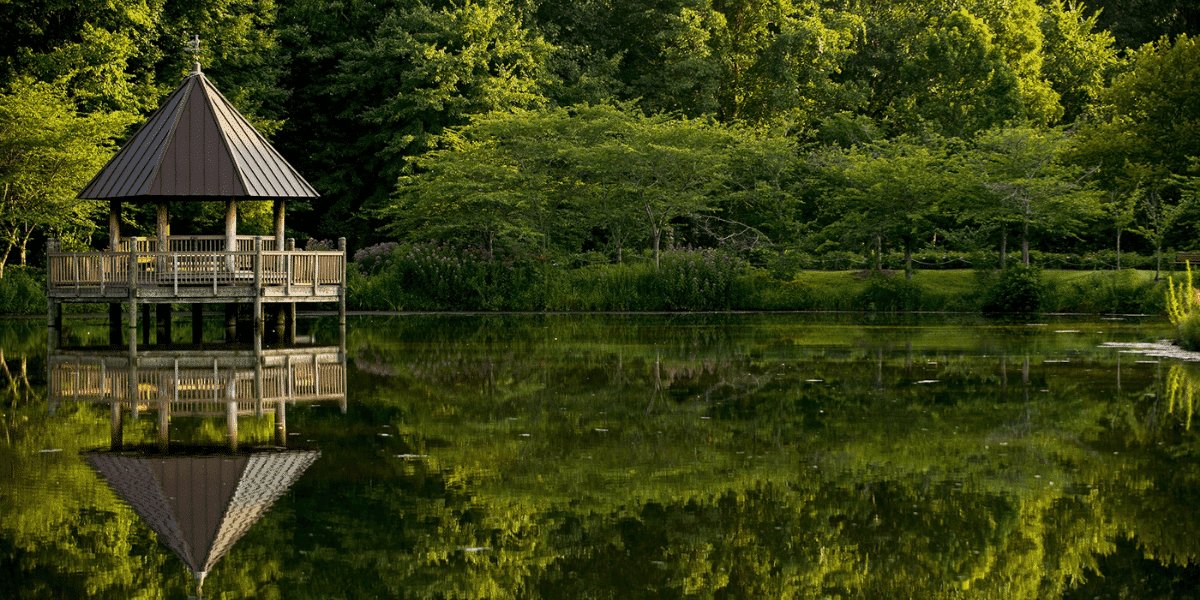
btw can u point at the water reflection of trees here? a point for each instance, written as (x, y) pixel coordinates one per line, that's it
(655, 467)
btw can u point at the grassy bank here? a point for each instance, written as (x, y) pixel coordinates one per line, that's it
(701, 280)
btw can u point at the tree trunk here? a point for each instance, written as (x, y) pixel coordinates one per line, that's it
(878, 252)
(1025, 243)
(1003, 244)
(908, 263)
(24, 244)
(657, 237)
(4, 259)
(1158, 259)
(1118, 248)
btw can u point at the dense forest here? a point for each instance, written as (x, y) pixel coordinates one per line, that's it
(607, 131)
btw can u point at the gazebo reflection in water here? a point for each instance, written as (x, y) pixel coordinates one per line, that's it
(201, 496)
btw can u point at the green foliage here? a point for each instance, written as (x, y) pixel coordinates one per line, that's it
(48, 151)
(958, 80)
(1189, 332)
(1106, 292)
(379, 83)
(890, 294)
(1016, 289)
(1183, 308)
(697, 279)
(432, 276)
(22, 291)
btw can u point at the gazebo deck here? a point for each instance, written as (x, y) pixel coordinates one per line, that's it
(196, 269)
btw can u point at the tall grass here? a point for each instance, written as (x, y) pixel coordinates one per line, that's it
(1183, 308)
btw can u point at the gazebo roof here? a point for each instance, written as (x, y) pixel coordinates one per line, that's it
(197, 147)
(201, 506)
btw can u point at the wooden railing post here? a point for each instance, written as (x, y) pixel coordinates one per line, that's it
(258, 287)
(342, 291)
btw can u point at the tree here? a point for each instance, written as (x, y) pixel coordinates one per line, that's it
(101, 52)
(888, 193)
(1147, 134)
(663, 168)
(48, 152)
(1078, 57)
(529, 175)
(374, 86)
(957, 83)
(1024, 183)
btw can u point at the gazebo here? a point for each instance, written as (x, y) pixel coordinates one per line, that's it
(195, 148)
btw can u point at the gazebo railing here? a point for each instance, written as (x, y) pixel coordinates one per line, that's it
(198, 389)
(98, 271)
(199, 243)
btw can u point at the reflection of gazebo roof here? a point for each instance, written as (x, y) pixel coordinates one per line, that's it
(197, 147)
(201, 506)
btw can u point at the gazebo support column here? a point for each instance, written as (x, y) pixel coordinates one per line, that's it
(197, 322)
(116, 440)
(278, 212)
(164, 425)
(163, 226)
(231, 322)
(231, 217)
(281, 423)
(164, 332)
(146, 324)
(114, 323)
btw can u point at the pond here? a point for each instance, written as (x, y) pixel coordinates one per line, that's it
(607, 456)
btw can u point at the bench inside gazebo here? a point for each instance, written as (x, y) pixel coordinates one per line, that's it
(195, 148)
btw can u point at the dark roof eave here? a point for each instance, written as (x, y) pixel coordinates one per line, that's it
(147, 199)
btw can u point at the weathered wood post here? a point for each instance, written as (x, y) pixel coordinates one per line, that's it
(164, 424)
(116, 440)
(231, 321)
(197, 322)
(279, 209)
(163, 326)
(281, 423)
(258, 294)
(147, 323)
(231, 216)
(290, 323)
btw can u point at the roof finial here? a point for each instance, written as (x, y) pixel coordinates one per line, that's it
(193, 46)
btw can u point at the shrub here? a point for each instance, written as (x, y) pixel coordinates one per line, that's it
(697, 279)
(1016, 289)
(22, 291)
(1101, 292)
(764, 292)
(1189, 332)
(372, 259)
(438, 276)
(889, 294)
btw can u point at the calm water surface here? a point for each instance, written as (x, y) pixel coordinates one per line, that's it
(629, 456)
